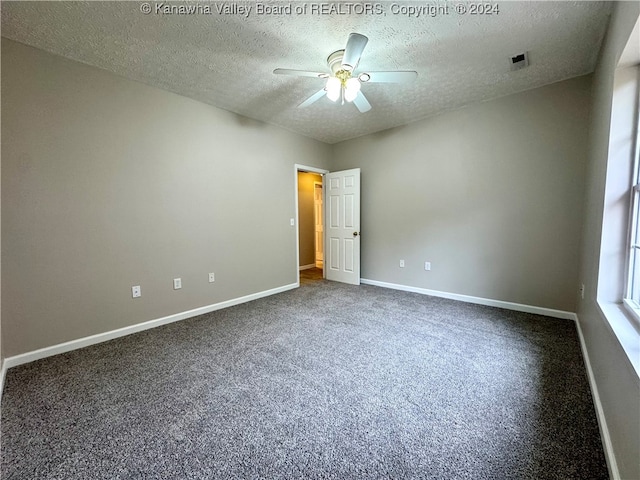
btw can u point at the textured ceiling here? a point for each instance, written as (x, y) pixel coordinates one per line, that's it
(227, 59)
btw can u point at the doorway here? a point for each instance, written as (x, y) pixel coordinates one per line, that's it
(310, 223)
(340, 238)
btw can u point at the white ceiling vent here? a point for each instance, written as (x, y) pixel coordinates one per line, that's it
(519, 61)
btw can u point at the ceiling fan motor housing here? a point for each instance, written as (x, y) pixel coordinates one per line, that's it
(335, 61)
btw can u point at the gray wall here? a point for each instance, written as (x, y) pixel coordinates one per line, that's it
(617, 381)
(490, 194)
(306, 217)
(108, 183)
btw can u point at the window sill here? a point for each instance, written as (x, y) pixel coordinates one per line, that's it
(622, 323)
(632, 311)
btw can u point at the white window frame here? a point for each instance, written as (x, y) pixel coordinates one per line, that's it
(631, 304)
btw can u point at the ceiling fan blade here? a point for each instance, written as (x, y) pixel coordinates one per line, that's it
(353, 51)
(313, 98)
(299, 73)
(390, 77)
(362, 103)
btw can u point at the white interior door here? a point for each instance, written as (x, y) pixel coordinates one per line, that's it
(342, 226)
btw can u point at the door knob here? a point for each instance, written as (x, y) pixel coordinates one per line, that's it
(355, 234)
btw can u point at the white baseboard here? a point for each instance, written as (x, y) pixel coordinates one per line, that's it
(307, 267)
(549, 312)
(121, 332)
(612, 465)
(3, 373)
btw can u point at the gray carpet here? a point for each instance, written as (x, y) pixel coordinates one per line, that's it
(327, 381)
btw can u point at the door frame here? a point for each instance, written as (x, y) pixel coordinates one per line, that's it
(305, 169)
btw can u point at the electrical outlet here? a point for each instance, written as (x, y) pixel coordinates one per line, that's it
(427, 266)
(212, 277)
(177, 283)
(401, 263)
(136, 292)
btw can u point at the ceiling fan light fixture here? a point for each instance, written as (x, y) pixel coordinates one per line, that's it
(333, 88)
(351, 89)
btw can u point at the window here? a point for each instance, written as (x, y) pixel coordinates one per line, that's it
(617, 271)
(632, 294)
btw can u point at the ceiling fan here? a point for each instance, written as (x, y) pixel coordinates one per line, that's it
(343, 83)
